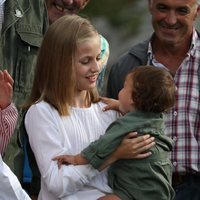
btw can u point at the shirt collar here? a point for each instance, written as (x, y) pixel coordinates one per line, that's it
(2, 1)
(194, 43)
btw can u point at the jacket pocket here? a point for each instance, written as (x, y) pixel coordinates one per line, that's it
(30, 34)
(29, 41)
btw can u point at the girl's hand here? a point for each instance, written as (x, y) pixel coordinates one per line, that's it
(112, 104)
(133, 147)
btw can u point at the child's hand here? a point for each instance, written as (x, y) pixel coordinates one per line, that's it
(112, 104)
(6, 89)
(69, 159)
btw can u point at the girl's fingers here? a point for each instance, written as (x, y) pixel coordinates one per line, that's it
(106, 108)
(131, 135)
(143, 155)
(144, 145)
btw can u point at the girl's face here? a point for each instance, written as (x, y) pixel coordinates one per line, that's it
(88, 63)
(126, 103)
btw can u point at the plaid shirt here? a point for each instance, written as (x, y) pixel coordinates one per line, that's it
(183, 122)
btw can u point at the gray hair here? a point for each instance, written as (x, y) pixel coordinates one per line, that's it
(197, 1)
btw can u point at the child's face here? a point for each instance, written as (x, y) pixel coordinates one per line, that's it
(126, 103)
(88, 63)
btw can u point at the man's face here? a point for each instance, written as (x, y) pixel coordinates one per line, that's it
(173, 20)
(59, 8)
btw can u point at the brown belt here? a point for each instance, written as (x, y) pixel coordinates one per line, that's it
(178, 179)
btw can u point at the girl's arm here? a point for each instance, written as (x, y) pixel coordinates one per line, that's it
(112, 104)
(132, 147)
(47, 140)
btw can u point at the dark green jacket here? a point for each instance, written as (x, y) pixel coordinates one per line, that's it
(148, 178)
(25, 22)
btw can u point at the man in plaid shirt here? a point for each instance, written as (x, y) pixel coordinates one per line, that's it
(174, 45)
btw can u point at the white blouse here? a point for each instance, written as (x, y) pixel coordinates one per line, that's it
(51, 135)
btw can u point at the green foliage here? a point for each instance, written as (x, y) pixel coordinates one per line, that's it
(120, 13)
(107, 8)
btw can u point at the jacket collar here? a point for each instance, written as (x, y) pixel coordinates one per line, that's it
(140, 51)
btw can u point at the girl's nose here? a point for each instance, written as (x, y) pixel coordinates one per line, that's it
(96, 66)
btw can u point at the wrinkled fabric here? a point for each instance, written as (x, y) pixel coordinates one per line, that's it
(10, 188)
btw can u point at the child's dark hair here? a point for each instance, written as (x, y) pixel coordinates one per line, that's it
(153, 89)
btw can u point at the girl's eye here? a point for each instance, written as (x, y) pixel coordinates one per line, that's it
(84, 62)
(98, 58)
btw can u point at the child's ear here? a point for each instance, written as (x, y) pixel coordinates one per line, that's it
(132, 105)
(132, 102)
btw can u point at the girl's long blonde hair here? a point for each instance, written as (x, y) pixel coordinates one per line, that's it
(55, 74)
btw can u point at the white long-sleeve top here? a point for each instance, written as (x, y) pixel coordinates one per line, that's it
(10, 188)
(51, 135)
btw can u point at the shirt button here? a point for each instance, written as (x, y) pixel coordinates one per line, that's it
(174, 164)
(175, 113)
(175, 139)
